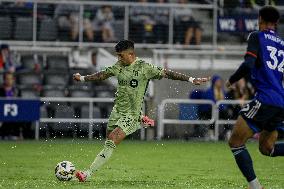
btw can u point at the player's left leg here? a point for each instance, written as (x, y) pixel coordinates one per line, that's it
(240, 134)
(267, 144)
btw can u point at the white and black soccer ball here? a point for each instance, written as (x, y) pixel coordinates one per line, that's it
(64, 171)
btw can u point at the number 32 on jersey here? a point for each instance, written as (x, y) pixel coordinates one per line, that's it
(275, 55)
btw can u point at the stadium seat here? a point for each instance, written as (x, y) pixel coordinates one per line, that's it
(24, 28)
(28, 92)
(280, 29)
(64, 112)
(1, 78)
(51, 91)
(118, 27)
(5, 27)
(105, 94)
(84, 127)
(55, 78)
(65, 127)
(80, 92)
(57, 63)
(47, 30)
(43, 112)
(28, 62)
(85, 112)
(29, 78)
(118, 12)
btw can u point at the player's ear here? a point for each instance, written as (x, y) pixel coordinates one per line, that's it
(132, 54)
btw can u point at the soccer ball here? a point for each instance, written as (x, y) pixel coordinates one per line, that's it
(64, 171)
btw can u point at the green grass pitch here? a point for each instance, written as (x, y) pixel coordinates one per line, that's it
(135, 164)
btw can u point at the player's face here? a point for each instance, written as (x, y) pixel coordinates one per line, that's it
(126, 57)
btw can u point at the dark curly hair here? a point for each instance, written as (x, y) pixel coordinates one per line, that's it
(124, 45)
(269, 14)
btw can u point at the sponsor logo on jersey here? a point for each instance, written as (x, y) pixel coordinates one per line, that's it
(133, 83)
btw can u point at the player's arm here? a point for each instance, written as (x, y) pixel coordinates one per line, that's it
(249, 60)
(169, 74)
(99, 76)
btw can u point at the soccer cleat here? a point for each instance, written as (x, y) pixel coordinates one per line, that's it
(147, 121)
(81, 176)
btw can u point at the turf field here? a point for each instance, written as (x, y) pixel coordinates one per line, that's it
(167, 164)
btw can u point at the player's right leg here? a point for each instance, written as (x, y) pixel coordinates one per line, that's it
(240, 134)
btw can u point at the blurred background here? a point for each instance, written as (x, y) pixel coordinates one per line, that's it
(43, 42)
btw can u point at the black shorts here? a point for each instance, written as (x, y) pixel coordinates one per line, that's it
(262, 116)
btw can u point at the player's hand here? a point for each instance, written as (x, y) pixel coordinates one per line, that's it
(200, 80)
(147, 122)
(76, 76)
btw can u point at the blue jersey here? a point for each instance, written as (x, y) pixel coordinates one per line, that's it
(267, 77)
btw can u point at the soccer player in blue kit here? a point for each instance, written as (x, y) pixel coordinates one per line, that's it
(264, 61)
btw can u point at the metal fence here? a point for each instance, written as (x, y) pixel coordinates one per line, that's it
(214, 119)
(47, 100)
(162, 120)
(90, 120)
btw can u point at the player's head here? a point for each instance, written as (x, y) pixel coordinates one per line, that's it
(268, 16)
(125, 51)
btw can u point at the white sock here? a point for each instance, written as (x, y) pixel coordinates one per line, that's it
(254, 184)
(102, 157)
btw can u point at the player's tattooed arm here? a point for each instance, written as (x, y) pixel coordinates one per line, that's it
(182, 77)
(99, 76)
(175, 75)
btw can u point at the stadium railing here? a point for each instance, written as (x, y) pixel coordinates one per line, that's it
(90, 120)
(198, 59)
(34, 40)
(162, 120)
(214, 119)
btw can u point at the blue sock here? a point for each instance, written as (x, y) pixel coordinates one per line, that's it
(278, 150)
(244, 162)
